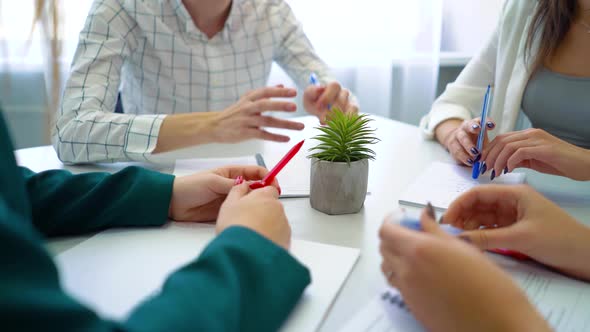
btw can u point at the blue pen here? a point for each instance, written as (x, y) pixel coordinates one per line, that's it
(482, 132)
(414, 223)
(313, 80)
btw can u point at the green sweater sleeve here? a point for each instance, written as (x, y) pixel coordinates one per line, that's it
(66, 204)
(241, 282)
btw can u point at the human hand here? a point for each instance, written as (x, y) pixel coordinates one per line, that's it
(317, 99)
(518, 218)
(538, 150)
(449, 285)
(198, 197)
(259, 210)
(460, 138)
(244, 119)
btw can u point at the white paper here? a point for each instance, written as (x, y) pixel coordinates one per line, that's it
(190, 166)
(442, 183)
(115, 270)
(564, 302)
(385, 313)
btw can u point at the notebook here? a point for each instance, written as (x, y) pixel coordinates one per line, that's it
(442, 183)
(115, 270)
(562, 301)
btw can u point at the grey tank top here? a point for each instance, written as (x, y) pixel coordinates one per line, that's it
(560, 105)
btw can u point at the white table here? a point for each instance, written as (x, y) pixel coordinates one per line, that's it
(401, 155)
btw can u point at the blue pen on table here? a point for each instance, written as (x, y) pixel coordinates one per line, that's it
(313, 80)
(482, 133)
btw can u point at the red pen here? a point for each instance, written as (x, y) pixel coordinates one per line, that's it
(270, 177)
(510, 253)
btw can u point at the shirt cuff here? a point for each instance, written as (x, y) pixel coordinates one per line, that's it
(142, 136)
(439, 115)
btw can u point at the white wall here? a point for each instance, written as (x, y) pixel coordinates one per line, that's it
(467, 24)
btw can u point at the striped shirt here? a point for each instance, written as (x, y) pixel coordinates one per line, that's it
(153, 54)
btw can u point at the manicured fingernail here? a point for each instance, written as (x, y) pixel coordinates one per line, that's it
(474, 151)
(490, 125)
(484, 167)
(430, 211)
(506, 170)
(478, 158)
(475, 126)
(470, 161)
(239, 180)
(493, 175)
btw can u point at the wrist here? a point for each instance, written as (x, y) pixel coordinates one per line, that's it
(184, 130)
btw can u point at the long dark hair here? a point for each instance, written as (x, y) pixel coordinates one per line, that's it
(551, 22)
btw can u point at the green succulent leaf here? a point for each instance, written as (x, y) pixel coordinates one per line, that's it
(345, 138)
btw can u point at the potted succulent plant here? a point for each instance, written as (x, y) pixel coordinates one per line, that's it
(340, 163)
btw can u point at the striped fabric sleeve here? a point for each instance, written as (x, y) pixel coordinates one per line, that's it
(295, 53)
(87, 129)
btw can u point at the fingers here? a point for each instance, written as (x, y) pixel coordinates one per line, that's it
(397, 238)
(271, 92)
(265, 105)
(468, 136)
(330, 95)
(265, 135)
(237, 192)
(272, 122)
(312, 93)
(504, 237)
(458, 152)
(429, 224)
(250, 173)
(495, 147)
(266, 192)
(478, 203)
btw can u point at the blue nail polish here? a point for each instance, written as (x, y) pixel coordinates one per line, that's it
(474, 151)
(475, 126)
(478, 158)
(470, 161)
(493, 175)
(506, 170)
(484, 167)
(490, 125)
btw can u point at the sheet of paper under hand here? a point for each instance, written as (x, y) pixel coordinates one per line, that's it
(115, 270)
(442, 183)
(562, 301)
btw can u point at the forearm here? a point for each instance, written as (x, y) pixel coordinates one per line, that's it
(241, 282)
(63, 203)
(575, 255)
(183, 130)
(443, 130)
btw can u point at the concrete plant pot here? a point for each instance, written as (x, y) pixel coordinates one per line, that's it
(338, 188)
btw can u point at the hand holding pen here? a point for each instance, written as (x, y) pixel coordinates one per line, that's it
(465, 140)
(319, 99)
